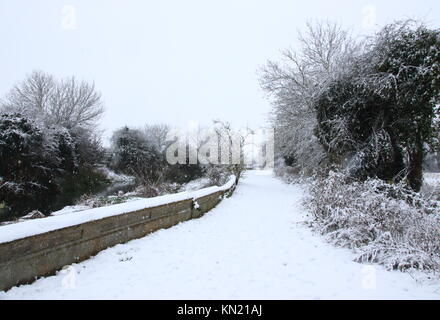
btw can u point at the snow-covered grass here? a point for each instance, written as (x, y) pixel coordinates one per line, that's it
(432, 178)
(382, 223)
(431, 185)
(254, 245)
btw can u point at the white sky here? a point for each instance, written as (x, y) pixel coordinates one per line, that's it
(174, 61)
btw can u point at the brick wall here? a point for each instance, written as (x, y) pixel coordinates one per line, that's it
(24, 260)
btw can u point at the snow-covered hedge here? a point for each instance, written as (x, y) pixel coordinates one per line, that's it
(383, 223)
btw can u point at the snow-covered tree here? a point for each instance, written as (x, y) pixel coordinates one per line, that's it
(231, 149)
(408, 54)
(30, 164)
(67, 102)
(65, 114)
(380, 113)
(62, 104)
(135, 155)
(325, 52)
(157, 135)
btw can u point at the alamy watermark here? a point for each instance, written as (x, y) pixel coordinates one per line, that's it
(69, 17)
(221, 146)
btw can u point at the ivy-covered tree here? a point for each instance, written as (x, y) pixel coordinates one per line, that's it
(353, 128)
(381, 113)
(410, 59)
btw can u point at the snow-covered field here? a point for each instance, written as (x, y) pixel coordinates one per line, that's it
(252, 246)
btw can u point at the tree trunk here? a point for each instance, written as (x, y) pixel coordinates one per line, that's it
(415, 174)
(398, 164)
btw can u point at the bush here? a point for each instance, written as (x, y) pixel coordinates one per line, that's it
(28, 168)
(383, 223)
(218, 175)
(133, 154)
(42, 168)
(84, 182)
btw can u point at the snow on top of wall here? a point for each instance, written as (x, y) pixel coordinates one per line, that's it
(25, 229)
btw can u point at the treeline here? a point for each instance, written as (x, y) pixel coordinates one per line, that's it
(367, 107)
(51, 152)
(142, 153)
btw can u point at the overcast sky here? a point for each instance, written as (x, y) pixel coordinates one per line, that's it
(174, 61)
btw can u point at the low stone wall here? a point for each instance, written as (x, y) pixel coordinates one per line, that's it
(24, 260)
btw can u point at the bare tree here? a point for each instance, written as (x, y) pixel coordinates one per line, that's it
(76, 103)
(157, 135)
(294, 83)
(231, 147)
(32, 96)
(67, 102)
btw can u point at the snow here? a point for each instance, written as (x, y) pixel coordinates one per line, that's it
(432, 178)
(21, 230)
(70, 209)
(253, 245)
(115, 177)
(195, 184)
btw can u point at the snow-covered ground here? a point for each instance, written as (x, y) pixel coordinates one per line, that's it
(252, 246)
(432, 178)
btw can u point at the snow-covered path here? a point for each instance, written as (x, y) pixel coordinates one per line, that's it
(252, 246)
